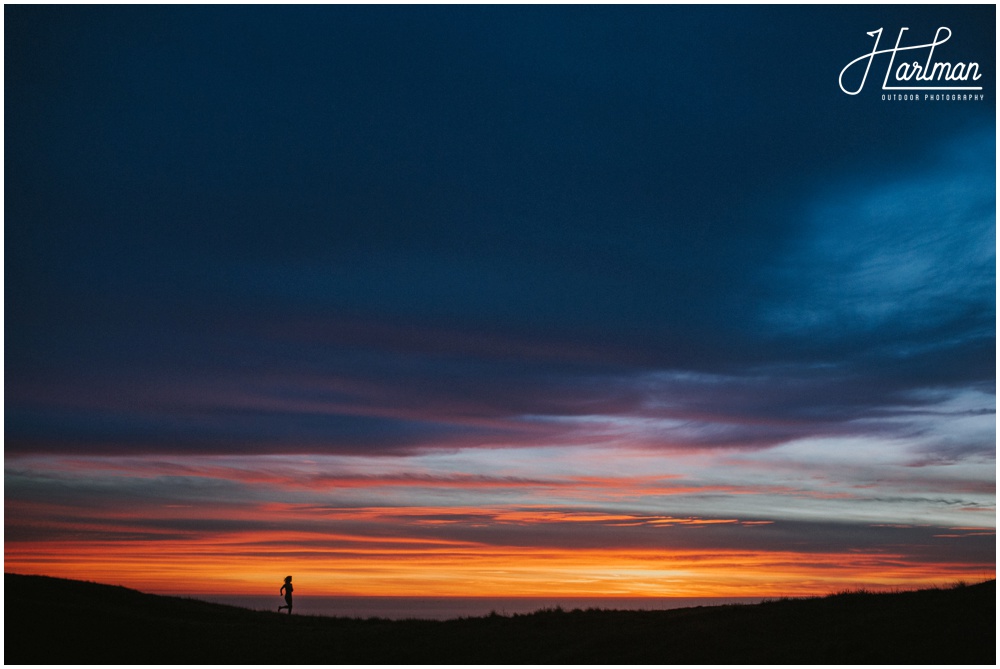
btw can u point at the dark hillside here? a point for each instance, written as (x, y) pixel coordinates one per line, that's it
(55, 621)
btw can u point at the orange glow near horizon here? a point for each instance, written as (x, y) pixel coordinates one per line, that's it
(197, 527)
(369, 566)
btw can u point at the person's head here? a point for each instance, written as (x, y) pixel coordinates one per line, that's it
(288, 579)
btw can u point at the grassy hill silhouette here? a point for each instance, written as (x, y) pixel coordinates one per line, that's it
(58, 621)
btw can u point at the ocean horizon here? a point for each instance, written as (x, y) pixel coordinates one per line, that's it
(447, 608)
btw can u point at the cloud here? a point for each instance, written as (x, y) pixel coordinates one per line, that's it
(905, 261)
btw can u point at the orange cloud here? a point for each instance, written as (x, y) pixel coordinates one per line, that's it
(379, 551)
(407, 567)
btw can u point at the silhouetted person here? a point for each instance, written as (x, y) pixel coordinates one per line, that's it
(286, 589)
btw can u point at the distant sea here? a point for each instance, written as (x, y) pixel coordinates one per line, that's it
(446, 608)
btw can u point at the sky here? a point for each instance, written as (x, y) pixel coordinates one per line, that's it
(508, 300)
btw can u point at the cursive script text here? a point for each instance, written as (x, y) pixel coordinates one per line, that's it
(914, 71)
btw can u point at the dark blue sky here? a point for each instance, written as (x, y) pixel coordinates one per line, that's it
(494, 203)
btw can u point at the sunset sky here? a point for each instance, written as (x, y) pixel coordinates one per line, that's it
(513, 300)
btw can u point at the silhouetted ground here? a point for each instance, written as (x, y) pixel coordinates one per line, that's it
(56, 621)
